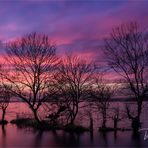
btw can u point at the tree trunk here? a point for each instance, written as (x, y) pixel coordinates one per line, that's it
(104, 118)
(115, 123)
(36, 116)
(74, 114)
(139, 109)
(135, 120)
(135, 124)
(91, 123)
(3, 115)
(73, 119)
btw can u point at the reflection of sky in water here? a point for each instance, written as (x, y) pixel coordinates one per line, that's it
(13, 136)
(22, 109)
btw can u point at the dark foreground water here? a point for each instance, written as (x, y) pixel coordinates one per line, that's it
(11, 136)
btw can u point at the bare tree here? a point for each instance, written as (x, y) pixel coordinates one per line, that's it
(101, 93)
(116, 118)
(32, 62)
(73, 79)
(4, 99)
(127, 53)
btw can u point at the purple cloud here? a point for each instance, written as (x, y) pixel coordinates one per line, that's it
(79, 26)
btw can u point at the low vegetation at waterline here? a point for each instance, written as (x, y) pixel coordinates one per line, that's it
(3, 122)
(44, 125)
(32, 123)
(107, 129)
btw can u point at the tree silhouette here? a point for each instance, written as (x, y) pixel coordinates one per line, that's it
(73, 79)
(32, 62)
(127, 53)
(101, 93)
(4, 99)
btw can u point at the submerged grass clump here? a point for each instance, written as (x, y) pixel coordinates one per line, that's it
(75, 128)
(107, 129)
(3, 121)
(23, 122)
(32, 123)
(43, 125)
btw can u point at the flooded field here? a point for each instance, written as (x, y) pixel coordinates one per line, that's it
(12, 136)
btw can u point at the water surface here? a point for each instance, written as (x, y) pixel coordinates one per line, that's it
(11, 136)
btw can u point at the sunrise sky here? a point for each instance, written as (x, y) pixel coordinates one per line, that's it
(77, 26)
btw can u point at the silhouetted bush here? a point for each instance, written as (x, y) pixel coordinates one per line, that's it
(3, 121)
(75, 128)
(107, 129)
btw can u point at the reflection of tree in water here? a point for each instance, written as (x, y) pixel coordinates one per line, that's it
(115, 135)
(67, 139)
(104, 138)
(91, 135)
(136, 139)
(38, 139)
(3, 136)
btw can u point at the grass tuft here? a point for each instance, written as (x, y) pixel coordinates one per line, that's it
(108, 129)
(75, 128)
(45, 126)
(3, 122)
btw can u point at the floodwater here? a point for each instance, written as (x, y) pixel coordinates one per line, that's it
(11, 136)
